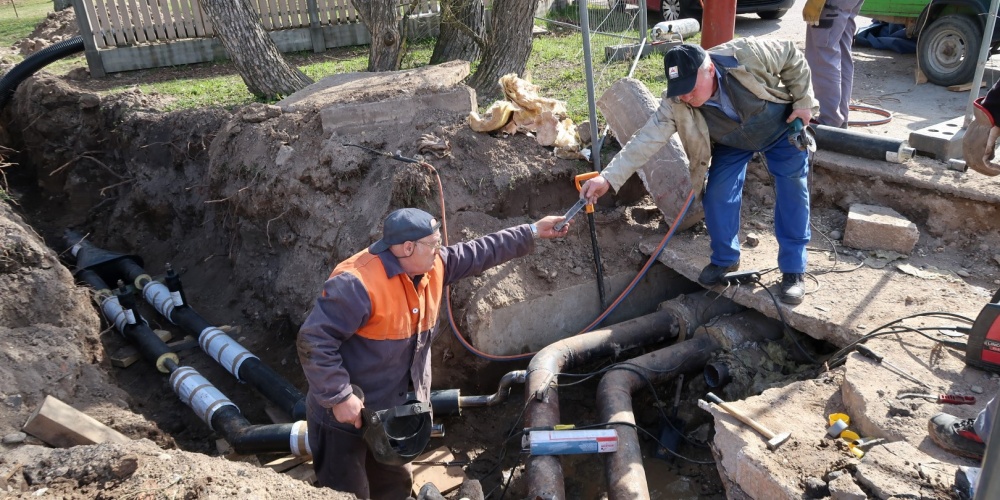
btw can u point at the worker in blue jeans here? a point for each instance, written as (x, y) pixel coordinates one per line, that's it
(725, 104)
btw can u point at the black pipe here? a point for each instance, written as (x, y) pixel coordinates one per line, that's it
(246, 438)
(544, 473)
(861, 144)
(717, 374)
(252, 370)
(625, 474)
(136, 331)
(35, 62)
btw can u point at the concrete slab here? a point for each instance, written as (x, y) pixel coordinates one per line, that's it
(942, 141)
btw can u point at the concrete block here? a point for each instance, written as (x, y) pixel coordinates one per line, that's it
(871, 227)
(893, 470)
(354, 118)
(941, 140)
(626, 106)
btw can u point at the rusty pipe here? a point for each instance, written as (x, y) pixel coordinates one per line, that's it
(544, 473)
(623, 469)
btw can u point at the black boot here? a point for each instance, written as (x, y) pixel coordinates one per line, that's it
(793, 289)
(712, 273)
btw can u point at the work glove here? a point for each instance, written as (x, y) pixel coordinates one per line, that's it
(812, 11)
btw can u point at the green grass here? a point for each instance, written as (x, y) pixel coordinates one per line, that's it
(14, 27)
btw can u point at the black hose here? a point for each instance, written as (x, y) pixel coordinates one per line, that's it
(35, 62)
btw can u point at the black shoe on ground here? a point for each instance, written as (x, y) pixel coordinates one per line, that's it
(712, 273)
(956, 436)
(793, 289)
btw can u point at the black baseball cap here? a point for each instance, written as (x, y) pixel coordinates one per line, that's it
(405, 224)
(681, 64)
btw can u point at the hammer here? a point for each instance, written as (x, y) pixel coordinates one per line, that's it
(773, 440)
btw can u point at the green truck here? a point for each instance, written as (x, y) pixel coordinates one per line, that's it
(949, 33)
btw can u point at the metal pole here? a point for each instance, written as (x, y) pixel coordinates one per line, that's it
(984, 54)
(595, 152)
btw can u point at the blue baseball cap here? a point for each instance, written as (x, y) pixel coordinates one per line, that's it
(681, 64)
(405, 224)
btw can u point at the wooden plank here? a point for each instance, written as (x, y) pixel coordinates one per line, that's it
(198, 20)
(284, 18)
(209, 29)
(188, 18)
(445, 477)
(272, 13)
(323, 11)
(163, 335)
(138, 25)
(157, 21)
(177, 18)
(285, 463)
(125, 356)
(107, 27)
(304, 472)
(95, 22)
(121, 7)
(300, 16)
(168, 19)
(63, 426)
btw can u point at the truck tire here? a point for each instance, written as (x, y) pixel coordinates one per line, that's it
(772, 14)
(949, 49)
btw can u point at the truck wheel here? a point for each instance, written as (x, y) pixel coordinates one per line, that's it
(949, 49)
(672, 10)
(772, 14)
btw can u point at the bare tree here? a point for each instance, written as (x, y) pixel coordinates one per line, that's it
(257, 58)
(385, 22)
(461, 33)
(508, 44)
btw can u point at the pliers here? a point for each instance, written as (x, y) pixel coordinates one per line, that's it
(946, 399)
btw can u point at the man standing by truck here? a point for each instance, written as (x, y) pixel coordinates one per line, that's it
(829, 37)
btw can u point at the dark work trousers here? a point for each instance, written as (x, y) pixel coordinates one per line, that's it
(342, 461)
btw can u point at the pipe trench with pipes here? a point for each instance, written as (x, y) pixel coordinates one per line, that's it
(544, 473)
(216, 410)
(169, 300)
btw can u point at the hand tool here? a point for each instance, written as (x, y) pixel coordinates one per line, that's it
(773, 440)
(571, 213)
(799, 136)
(945, 399)
(870, 354)
(598, 266)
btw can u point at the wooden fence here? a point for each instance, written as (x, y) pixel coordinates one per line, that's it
(122, 35)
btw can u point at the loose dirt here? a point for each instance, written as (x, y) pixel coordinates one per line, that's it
(253, 238)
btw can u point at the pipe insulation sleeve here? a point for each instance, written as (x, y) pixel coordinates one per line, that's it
(198, 393)
(115, 313)
(298, 439)
(158, 296)
(226, 351)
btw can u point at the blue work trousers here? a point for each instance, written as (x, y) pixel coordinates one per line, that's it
(724, 196)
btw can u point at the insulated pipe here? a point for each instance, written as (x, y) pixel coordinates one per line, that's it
(693, 310)
(862, 144)
(235, 358)
(224, 417)
(624, 470)
(129, 324)
(544, 473)
(450, 401)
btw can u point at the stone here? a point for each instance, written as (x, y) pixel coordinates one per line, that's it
(871, 227)
(752, 240)
(896, 469)
(284, 153)
(816, 488)
(844, 488)
(835, 235)
(15, 438)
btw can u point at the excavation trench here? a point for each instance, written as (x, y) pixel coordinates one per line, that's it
(254, 207)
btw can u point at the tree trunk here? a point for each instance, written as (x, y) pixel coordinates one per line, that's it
(507, 47)
(264, 70)
(462, 23)
(382, 18)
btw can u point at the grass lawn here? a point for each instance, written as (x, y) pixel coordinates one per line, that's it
(19, 18)
(556, 66)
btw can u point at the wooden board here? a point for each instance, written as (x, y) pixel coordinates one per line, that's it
(445, 477)
(284, 463)
(304, 472)
(63, 426)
